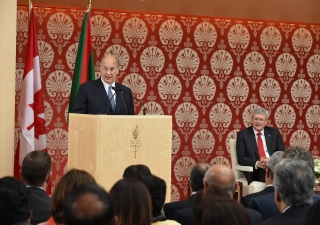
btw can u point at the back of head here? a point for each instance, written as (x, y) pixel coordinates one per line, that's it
(214, 206)
(136, 171)
(35, 167)
(273, 161)
(157, 189)
(298, 152)
(88, 204)
(294, 180)
(132, 202)
(15, 203)
(197, 174)
(69, 181)
(221, 176)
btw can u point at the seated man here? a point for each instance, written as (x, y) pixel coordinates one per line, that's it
(196, 183)
(15, 202)
(222, 177)
(265, 204)
(293, 185)
(274, 160)
(157, 189)
(89, 204)
(257, 143)
(36, 173)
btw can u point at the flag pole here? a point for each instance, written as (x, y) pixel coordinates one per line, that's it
(30, 2)
(89, 4)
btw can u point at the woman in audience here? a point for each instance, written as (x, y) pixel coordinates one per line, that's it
(132, 203)
(69, 181)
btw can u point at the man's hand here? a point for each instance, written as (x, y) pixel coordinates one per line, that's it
(263, 163)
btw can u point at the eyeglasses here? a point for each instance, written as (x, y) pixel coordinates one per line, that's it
(106, 69)
(259, 120)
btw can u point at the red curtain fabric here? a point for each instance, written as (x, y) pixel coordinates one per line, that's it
(207, 72)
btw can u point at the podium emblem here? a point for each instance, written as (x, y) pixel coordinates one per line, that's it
(135, 143)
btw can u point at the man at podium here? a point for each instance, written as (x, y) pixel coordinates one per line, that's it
(105, 95)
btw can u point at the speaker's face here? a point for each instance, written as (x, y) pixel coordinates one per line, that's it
(109, 70)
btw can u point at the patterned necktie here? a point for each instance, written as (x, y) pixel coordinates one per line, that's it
(110, 97)
(260, 146)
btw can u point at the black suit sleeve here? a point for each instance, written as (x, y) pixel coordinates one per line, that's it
(245, 153)
(131, 105)
(280, 144)
(80, 104)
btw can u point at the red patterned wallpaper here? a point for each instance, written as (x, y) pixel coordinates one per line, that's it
(208, 73)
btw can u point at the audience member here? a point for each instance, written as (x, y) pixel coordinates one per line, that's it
(196, 184)
(69, 181)
(157, 189)
(89, 204)
(15, 202)
(313, 215)
(221, 176)
(274, 160)
(214, 206)
(293, 184)
(36, 173)
(265, 204)
(257, 143)
(132, 202)
(136, 171)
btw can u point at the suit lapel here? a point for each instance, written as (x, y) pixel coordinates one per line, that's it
(268, 138)
(253, 141)
(103, 94)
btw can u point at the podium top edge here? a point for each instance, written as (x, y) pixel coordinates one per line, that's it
(117, 116)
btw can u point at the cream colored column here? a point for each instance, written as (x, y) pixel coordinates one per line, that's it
(8, 13)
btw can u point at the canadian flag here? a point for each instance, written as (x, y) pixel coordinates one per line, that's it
(31, 111)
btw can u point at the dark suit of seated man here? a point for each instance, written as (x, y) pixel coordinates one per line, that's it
(274, 160)
(257, 143)
(94, 97)
(196, 184)
(36, 173)
(222, 177)
(293, 185)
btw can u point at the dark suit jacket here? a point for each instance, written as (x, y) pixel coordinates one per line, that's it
(265, 205)
(245, 199)
(41, 203)
(92, 98)
(171, 208)
(293, 216)
(247, 148)
(185, 216)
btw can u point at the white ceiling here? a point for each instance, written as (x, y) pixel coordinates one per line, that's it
(279, 10)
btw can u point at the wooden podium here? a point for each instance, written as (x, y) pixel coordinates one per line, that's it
(105, 145)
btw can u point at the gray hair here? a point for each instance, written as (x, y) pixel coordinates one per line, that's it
(260, 111)
(298, 152)
(274, 160)
(294, 181)
(115, 57)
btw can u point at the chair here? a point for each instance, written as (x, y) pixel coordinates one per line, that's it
(249, 186)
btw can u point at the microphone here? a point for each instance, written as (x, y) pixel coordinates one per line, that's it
(120, 89)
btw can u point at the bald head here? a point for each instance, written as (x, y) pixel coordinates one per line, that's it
(221, 176)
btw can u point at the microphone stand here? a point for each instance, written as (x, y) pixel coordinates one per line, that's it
(120, 89)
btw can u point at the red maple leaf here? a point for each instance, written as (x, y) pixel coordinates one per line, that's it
(38, 108)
